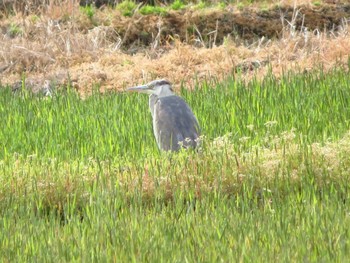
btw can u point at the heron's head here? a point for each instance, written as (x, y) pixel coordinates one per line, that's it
(160, 88)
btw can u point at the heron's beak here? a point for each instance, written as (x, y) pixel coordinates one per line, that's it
(142, 89)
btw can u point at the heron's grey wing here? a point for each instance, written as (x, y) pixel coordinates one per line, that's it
(174, 122)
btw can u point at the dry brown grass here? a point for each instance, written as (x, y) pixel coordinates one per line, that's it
(155, 178)
(292, 2)
(44, 47)
(285, 160)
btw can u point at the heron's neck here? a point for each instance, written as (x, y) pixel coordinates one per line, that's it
(164, 91)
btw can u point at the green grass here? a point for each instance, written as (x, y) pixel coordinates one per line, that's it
(14, 30)
(119, 125)
(88, 10)
(148, 9)
(127, 7)
(303, 226)
(177, 5)
(83, 180)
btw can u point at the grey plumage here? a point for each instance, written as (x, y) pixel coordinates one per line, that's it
(174, 124)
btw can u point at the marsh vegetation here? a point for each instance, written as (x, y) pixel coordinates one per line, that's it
(82, 179)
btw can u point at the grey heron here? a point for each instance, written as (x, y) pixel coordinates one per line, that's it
(174, 124)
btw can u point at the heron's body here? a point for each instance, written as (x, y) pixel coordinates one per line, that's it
(174, 123)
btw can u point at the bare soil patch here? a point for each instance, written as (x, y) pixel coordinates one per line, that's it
(247, 24)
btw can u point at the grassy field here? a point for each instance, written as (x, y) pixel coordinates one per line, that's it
(83, 180)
